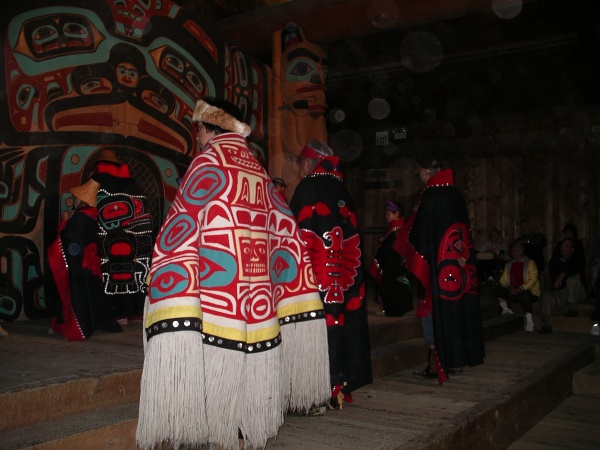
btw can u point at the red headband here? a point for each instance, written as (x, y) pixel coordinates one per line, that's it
(308, 152)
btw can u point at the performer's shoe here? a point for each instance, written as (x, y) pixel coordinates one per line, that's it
(546, 329)
(333, 403)
(425, 373)
(112, 326)
(337, 398)
(317, 411)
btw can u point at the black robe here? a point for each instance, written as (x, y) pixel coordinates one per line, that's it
(326, 216)
(75, 264)
(125, 240)
(394, 293)
(438, 247)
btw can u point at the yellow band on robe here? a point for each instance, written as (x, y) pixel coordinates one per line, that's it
(172, 312)
(299, 308)
(264, 334)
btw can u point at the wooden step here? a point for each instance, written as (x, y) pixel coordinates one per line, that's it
(44, 376)
(571, 425)
(388, 330)
(43, 403)
(113, 427)
(398, 356)
(397, 342)
(580, 324)
(586, 381)
(524, 376)
(567, 324)
(82, 384)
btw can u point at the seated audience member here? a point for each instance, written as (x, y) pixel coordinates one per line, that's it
(567, 273)
(491, 257)
(570, 231)
(534, 245)
(519, 283)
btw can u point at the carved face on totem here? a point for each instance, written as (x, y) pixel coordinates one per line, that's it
(303, 80)
(303, 73)
(81, 75)
(127, 75)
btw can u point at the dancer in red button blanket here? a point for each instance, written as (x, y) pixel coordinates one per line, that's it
(234, 325)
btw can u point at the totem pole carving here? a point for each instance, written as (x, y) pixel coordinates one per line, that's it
(79, 77)
(299, 74)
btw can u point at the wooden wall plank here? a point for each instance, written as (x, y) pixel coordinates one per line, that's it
(545, 189)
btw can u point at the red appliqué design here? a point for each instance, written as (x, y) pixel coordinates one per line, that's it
(456, 275)
(332, 321)
(334, 264)
(349, 215)
(319, 208)
(91, 260)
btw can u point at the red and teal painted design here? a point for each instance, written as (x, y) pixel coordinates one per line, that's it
(80, 77)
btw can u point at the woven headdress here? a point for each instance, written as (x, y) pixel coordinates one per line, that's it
(87, 192)
(216, 116)
(108, 155)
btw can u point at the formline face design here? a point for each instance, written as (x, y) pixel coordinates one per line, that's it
(82, 77)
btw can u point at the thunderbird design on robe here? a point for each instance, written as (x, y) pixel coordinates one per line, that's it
(336, 263)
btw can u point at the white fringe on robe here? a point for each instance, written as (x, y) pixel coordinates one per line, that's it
(172, 392)
(194, 394)
(307, 379)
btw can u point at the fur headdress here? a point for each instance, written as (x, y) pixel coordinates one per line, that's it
(216, 116)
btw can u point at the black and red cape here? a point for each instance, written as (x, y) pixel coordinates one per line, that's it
(75, 264)
(326, 215)
(437, 244)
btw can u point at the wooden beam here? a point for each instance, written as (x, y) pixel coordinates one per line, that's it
(326, 21)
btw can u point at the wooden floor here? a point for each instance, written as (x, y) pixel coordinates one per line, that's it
(525, 375)
(573, 425)
(403, 412)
